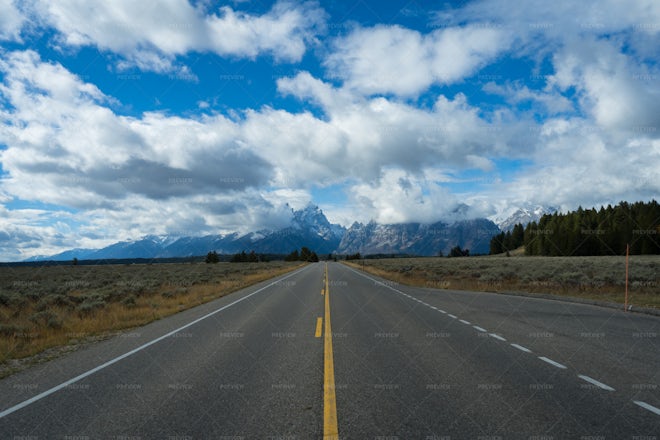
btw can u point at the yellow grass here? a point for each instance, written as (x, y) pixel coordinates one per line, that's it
(22, 335)
(598, 278)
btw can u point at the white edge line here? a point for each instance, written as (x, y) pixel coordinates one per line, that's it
(551, 362)
(63, 385)
(595, 382)
(493, 335)
(645, 405)
(393, 289)
(520, 347)
(439, 310)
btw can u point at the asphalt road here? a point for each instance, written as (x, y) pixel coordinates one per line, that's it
(404, 363)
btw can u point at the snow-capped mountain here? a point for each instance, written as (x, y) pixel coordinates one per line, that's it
(524, 215)
(312, 218)
(419, 239)
(308, 227)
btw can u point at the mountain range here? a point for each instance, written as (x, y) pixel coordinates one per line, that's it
(310, 227)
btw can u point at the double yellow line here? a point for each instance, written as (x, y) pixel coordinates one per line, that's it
(330, 430)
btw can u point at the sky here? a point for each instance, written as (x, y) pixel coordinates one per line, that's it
(120, 119)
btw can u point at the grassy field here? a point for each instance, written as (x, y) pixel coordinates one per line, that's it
(44, 307)
(601, 278)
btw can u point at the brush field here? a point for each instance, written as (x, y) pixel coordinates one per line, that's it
(51, 306)
(601, 278)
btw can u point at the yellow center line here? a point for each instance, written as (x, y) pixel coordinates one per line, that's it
(330, 430)
(319, 325)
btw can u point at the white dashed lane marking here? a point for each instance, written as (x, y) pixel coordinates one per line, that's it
(645, 405)
(595, 382)
(588, 379)
(521, 348)
(553, 363)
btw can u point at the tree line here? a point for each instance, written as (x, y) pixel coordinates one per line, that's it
(240, 257)
(305, 254)
(604, 231)
(508, 241)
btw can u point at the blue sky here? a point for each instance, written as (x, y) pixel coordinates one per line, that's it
(123, 119)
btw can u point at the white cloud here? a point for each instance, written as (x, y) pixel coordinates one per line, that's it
(283, 32)
(11, 21)
(29, 232)
(612, 86)
(400, 61)
(400, 197)
(150, 35)
(548, 101)
(360, 136)
(86, 156)
(580, 163)
(542, 21)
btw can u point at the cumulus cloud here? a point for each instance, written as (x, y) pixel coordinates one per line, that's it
(540, 25)
(360, 136)
(602, 80)
(546, 102)
(400, 61)
(11, 21)
(577, 163)
(400, 197)
(151, 34)
(86, 155)
(28, 232)
(582, 164)
(618, 92)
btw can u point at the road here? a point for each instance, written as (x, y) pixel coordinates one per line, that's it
(307, 354)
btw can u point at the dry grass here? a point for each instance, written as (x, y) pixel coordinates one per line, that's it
(601, 278)
(45, 307)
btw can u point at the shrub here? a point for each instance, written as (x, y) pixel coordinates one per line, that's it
(174, 293)
(47, 318)
(10, 330)
(53, 300)
(90, 306)
(13, 300)
(129, 301)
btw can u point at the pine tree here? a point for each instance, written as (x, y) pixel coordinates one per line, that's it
(212, 257)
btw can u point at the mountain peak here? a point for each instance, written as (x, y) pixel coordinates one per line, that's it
(418, 238)
(313, 219)
(523, 215)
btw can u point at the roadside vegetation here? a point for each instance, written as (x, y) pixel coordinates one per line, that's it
(601, 278)
(50, 306)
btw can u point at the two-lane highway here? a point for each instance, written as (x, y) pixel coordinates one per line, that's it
(330, 350)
